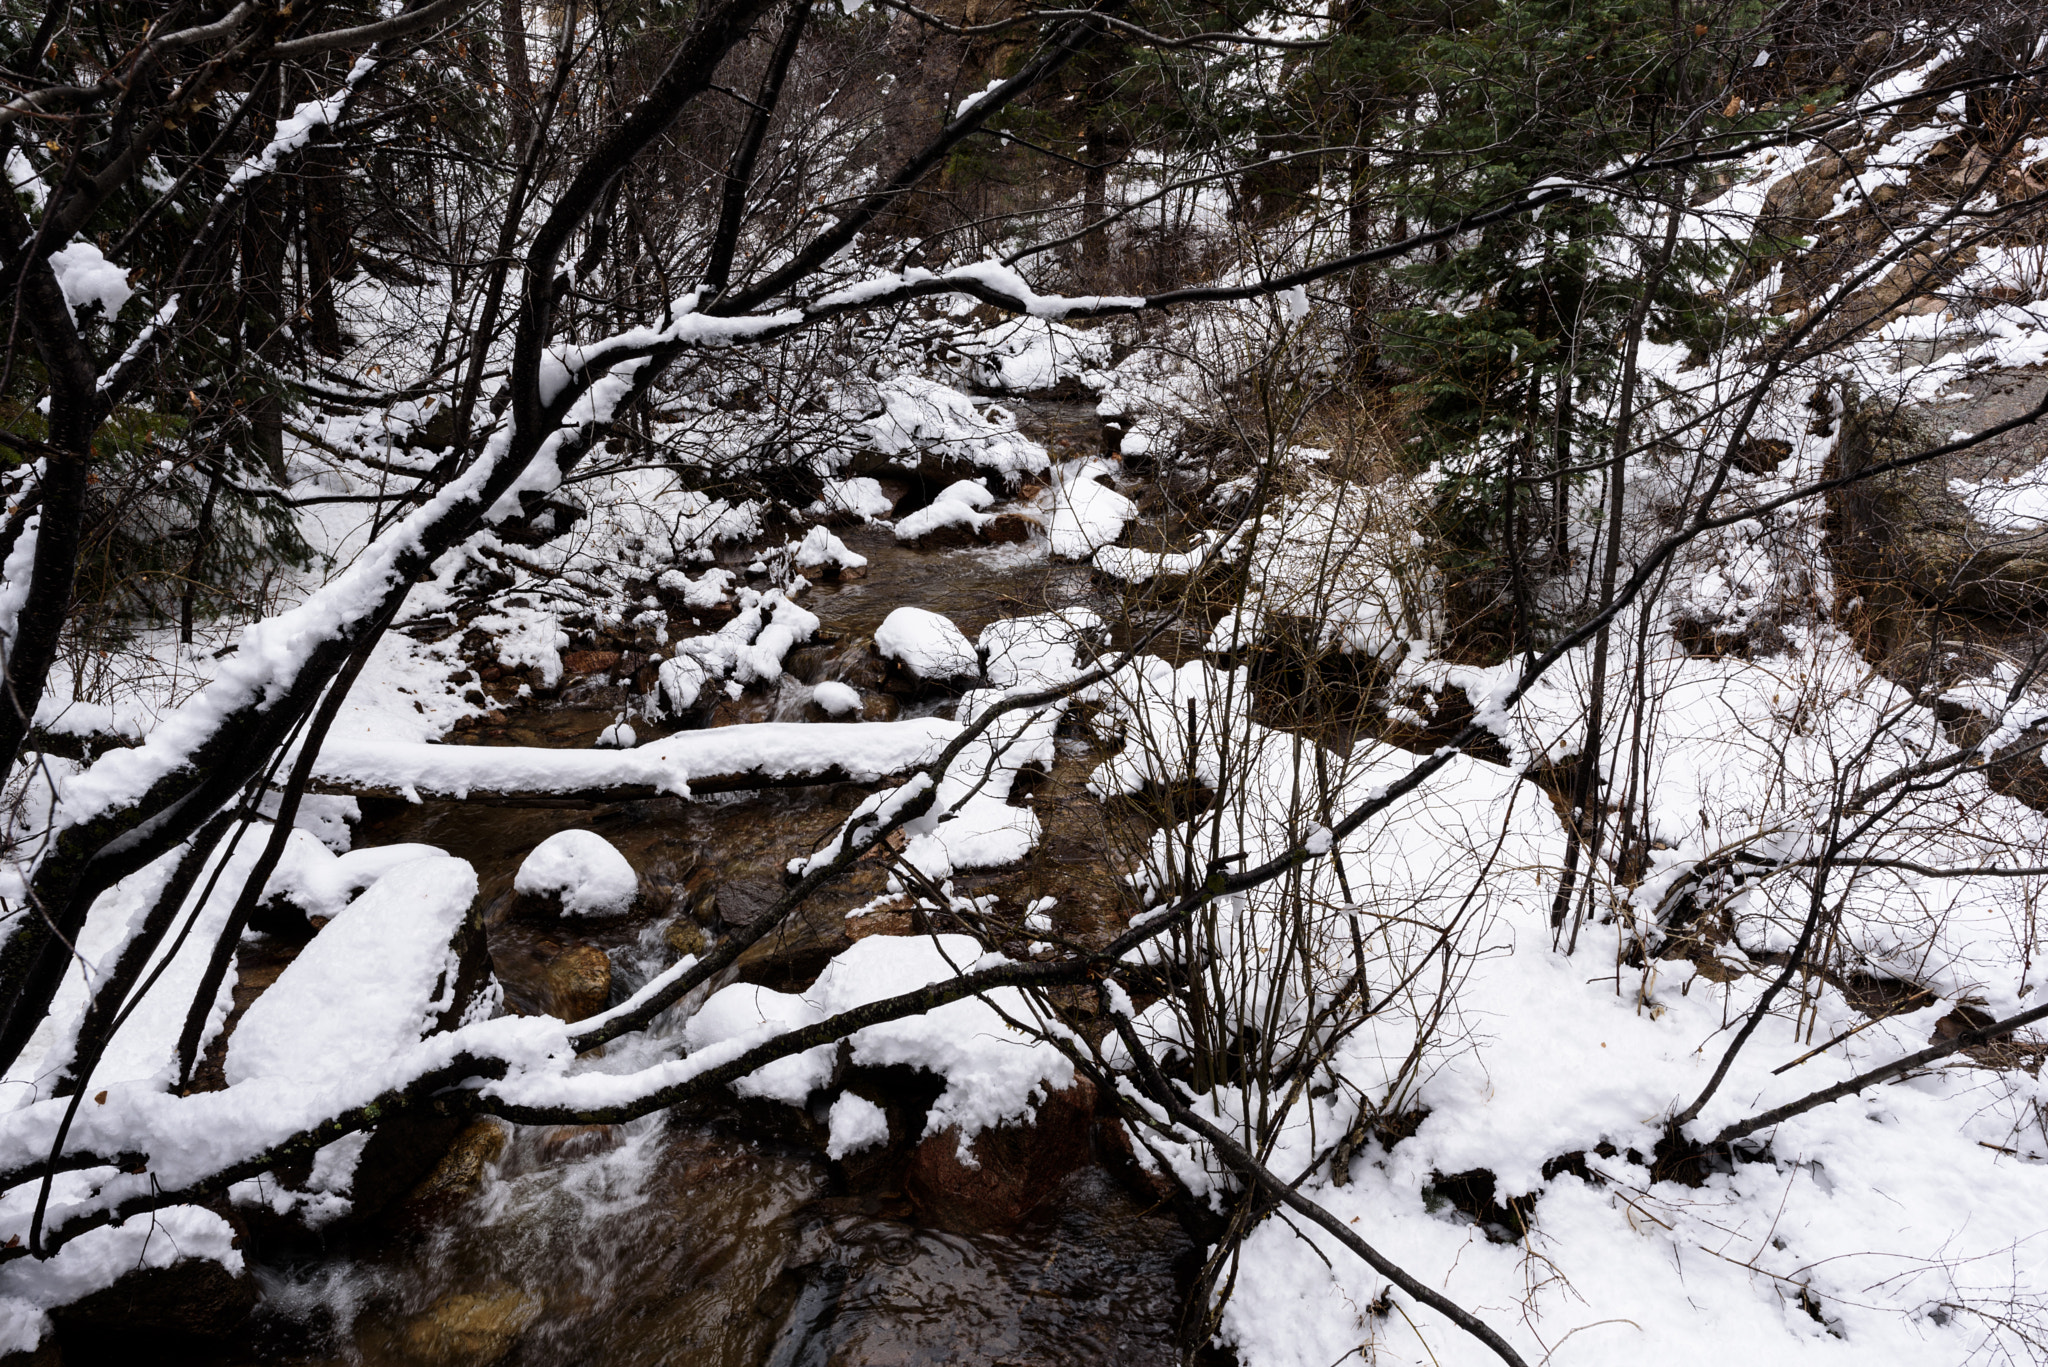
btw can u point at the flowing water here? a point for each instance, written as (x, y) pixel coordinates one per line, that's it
(726, 1237)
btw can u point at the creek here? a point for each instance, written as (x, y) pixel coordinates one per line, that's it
(726, 1237)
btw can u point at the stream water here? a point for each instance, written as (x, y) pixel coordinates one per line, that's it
(727, 1237)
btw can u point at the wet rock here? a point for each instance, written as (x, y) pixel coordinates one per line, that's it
(685, 937)
(462, 1169)
(791, 956)
(1011, 527)
(949, 536)
(580, 982)
(742, 711)
(879, 707)
(742, 901)
(152, 1308)
(470, 1330)
(567, 1143)
(1018, 1165)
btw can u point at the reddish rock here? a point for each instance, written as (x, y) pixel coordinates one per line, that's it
(589, 661)
(1019, 1165)
(1011, 527)
(567, 1143)
(949, 537)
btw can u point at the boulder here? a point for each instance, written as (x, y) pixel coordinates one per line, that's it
(580, 872)
(462, 1169)
(1016, 1167)
(470, 1329)
(927, 650)
(150, 1309)
(406, 959)
(579, 982)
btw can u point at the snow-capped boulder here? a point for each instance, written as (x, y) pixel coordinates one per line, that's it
(836, 699)
(583, 870)
(927, 647)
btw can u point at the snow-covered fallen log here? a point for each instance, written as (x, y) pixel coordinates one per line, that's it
(723, 759)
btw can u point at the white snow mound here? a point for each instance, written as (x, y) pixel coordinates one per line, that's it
(582, 867)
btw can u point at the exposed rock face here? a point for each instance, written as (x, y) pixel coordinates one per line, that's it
(1905, 543)
(1019, 1166)
(580, 982)
(1798, 201)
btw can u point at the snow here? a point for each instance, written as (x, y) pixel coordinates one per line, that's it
(584, 869)
(957, 505)
(2009, 505)
(837, 699)
(1019, 355)
(87, 278)
(920, 415)
(860, 495)
(927, 644)
(769, 749)
(748, 649)
(821, 548)
(855, 1124)
(993, 1074)
(1086, 514)
(320, 882)
(371, 983)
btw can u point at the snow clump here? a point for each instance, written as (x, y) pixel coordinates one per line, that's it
(86, 277)
(822, 550)
(857, 1124)
(837, 699)
(958, 505)
(582, 867)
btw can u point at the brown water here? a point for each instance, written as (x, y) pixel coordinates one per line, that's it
(728, 1238)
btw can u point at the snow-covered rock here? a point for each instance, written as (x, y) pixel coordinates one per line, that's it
(1022, 354)
(959, 504)
(826, 554)
(837, 699)
(377, 979)
(582, 868)
(1086, 514)
(994, 1074)
(861, 496)
(922, 418)
(928, 645)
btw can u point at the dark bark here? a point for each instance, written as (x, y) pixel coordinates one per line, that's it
(75, 413)
(740, 174)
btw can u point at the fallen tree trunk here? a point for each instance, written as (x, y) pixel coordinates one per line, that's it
(723, 760)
